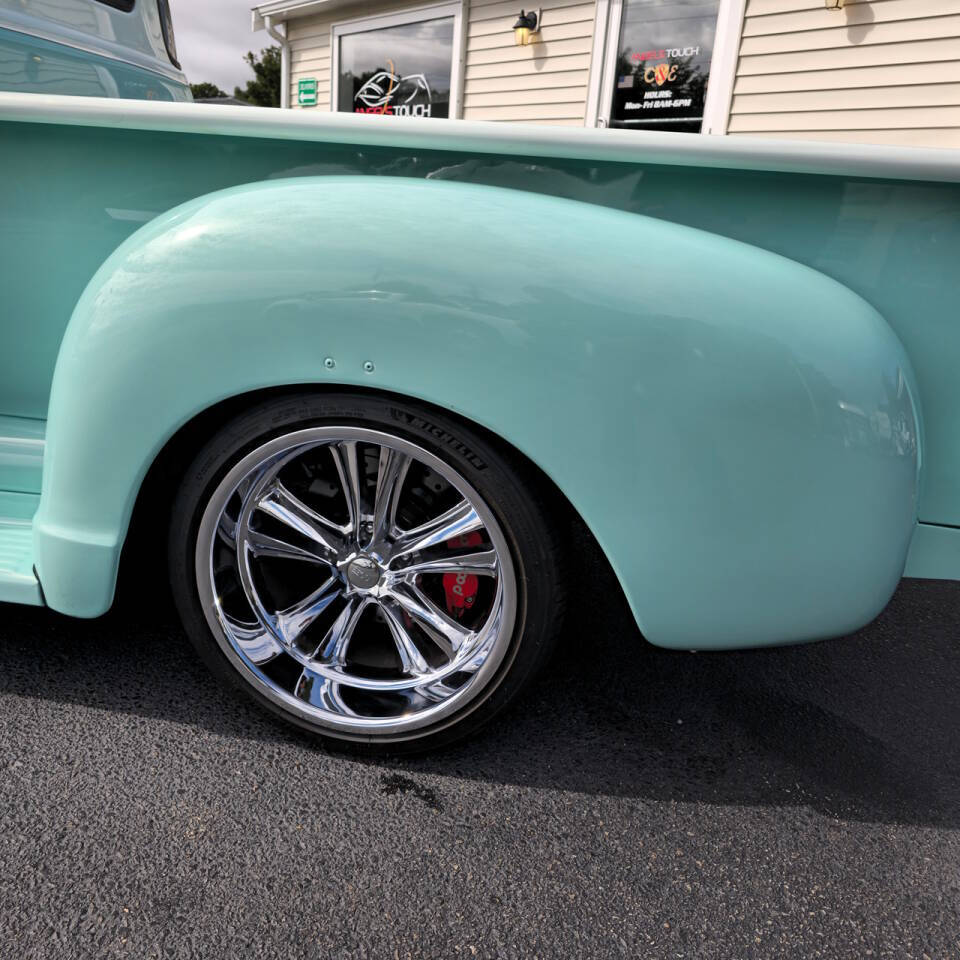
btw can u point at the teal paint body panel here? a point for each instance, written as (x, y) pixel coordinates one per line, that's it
(21, 454)
(741, 430)
(934, 553)
(31, 64)
(752, 459)
(88, 48)
(891, 241)
(18, 583)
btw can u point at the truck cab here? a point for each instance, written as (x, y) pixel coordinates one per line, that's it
(92, 48)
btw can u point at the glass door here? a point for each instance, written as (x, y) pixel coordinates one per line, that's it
(403, 65)
(661, 64)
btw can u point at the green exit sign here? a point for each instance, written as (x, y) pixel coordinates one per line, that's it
(307, 92)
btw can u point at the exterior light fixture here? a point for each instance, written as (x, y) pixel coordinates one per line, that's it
(526, 26)
(834, 4)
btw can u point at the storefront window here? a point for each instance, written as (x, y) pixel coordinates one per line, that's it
(663, 64)
(403, 70)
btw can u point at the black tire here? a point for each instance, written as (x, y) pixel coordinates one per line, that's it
(508, 487)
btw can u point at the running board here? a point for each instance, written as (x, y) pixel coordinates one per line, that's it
(18, 582)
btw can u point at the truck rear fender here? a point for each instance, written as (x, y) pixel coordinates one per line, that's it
(736, 429)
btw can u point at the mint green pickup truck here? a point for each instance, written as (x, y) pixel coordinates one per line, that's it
(355, 378)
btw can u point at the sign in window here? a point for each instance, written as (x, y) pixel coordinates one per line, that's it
(663, 64)
(401, 70)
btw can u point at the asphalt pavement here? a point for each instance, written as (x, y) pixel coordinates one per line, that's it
(799, 802)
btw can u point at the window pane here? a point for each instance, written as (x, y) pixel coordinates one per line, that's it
(402, 70)
(663, 64)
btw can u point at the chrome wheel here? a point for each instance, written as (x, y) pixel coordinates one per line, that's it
(356, 580)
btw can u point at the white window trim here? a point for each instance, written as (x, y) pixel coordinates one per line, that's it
(601, 28)
(723, 66)
(413, 15)
(605, 67)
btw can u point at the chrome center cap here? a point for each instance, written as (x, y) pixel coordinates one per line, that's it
(363, 573)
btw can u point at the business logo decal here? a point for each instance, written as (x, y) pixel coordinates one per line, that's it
(666, 71)
(660, 74)
(388, 93)
(668, 83)
(668, 53)
(672, 66)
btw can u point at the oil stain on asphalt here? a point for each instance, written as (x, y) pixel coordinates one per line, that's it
(392, 784)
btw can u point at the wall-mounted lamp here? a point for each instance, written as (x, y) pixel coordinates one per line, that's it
(834, 4)
(527, 26)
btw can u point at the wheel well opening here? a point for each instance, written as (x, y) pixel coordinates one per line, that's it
(144, 566)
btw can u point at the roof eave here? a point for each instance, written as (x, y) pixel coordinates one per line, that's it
(285, 10)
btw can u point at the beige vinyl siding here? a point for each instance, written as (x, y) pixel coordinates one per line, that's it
(884, 71)
(310, 57)
(544, 82)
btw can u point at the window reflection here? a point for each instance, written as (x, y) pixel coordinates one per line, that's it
(402, 70)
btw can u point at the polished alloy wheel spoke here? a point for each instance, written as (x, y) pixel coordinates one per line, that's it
(392, 472)
(262, 545)
(411, 659)
(291, 623)
(435, 692)
(227, 531)
(480, 563)
(345, 457)
(333, 648)
(455, 522)
(321, 692)
(279, 503)
(257, 643)
(449, 635)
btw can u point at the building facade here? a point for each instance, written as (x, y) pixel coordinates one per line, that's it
(874, 71)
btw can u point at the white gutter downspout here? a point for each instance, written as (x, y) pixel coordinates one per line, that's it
(281, 38)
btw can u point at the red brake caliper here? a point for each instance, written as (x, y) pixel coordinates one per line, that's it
(461, 588)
